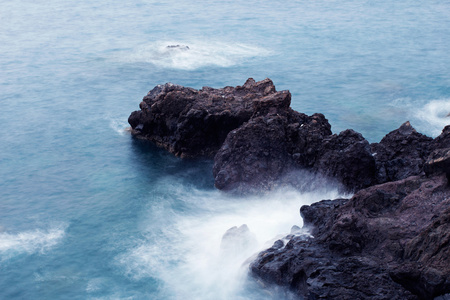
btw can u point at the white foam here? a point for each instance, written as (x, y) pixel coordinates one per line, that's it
(29, 241)
(436, 114)
(198, 54)
(186, 254)
(428, 118)
(118, 126)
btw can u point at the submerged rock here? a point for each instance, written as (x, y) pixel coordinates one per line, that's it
(180, 47)
(237, 240)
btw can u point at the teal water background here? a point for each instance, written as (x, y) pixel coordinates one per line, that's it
(86, 212)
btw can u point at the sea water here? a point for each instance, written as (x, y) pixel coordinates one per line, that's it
(87, 212)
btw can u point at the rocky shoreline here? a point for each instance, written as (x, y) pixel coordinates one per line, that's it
(391, 240)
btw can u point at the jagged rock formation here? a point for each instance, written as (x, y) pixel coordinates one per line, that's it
(189, 122)
(389, 241)
(401, 153)
(254, 134)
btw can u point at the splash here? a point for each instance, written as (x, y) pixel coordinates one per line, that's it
(436, 114)
(29, 242)
(193, 55)
(119, 127)
(428, 117)
(204, 252)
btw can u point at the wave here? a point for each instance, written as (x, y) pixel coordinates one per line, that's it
(29, 242)
(192, 55)
(205, 253)
(435, 114)
(428, 117)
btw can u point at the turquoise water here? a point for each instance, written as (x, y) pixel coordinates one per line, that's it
(86, 212)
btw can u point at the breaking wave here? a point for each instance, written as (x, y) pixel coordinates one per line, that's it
(428, 118)
(435, 114)
(205, 253)
(193, 55)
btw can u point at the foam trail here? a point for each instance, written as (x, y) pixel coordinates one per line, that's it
(29, 242)
(192, 55)
(188, 253)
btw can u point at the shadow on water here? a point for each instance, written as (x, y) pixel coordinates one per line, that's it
(155, 163)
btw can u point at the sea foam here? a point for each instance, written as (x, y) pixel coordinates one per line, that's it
(29, 242)
(436, 114)
(196, 256)
(429, 118)
(193, 55)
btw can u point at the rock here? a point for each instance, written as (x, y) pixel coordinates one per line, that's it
(269, 145)
(443, 140)
(253, 133)
(180, 47)
(426, 266)
(237, 240)
(438, 162)
(189, 122)
(401, 153)
(389, 241)
(439, 159)
(347, 156)
(256, 139)
(277, 140)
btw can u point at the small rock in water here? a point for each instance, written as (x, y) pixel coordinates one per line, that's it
(238, 239)
(181, 47)
(295, 229)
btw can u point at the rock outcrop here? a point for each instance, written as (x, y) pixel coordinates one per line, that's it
(401, 153)
(256, 138)
(189, 122)
(389, 241)
(253, 133)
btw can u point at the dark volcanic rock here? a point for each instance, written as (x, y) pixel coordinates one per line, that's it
(277, 140)
(439, 159)
(254, 134)
(389, 241)
(401, 153)
(347, 156)
(189, 122)
(268, 146)
(258, 153)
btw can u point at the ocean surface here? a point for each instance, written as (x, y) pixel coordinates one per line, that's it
(87, 212)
